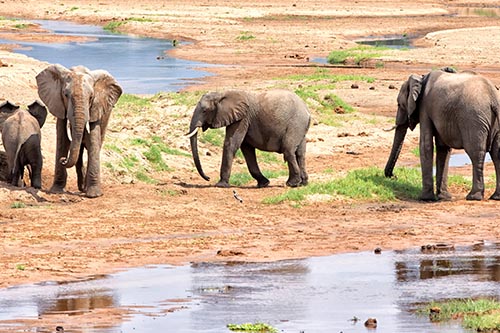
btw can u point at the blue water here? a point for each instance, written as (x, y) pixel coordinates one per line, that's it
(315, 295)
(139, 64)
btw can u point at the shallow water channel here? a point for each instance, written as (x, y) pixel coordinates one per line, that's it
(139, 64)
(321, 294)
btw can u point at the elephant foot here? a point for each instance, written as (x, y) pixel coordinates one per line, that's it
(93, 192)
(56, 189)
(294, 182)
(428, 197)
(495, 196)
(222, 183)
(477, 196)
(263, 183)
(444, 196)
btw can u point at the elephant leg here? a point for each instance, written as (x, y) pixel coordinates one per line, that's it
(62, 148)
(80, 171)
(426, 158)
(235, 133)
(443, 153)
(495, 157)
(477, 157)
(93, 178)
(251, 159)
(301, 160)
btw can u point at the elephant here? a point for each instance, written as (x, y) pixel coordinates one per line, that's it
(274, 121)
(83, 99)
(455, 110)
(21, 138)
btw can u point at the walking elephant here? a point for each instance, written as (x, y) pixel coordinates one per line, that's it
(455, 110)
(84, 99)
(21, 138)
(275, 121)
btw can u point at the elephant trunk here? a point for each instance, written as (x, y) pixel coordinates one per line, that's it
(399, 137)
(193, 139)
(77, 129)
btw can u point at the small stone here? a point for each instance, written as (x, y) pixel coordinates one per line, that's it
(377, 250)
(371, 323)
(354, 86)
(391, 86)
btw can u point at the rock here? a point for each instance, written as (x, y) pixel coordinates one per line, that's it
(377, 250)
(391, 86)
(354, 86)
(371, 323)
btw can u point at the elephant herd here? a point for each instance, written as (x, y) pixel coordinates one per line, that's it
(454, 110)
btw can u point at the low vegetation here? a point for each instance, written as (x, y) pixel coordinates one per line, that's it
(114, 26)
(480, 315)
(315, 90)
(249, 327)
(356, 55)
(364, 184)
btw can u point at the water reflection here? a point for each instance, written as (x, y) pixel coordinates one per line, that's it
(140, 65)
(313, 295)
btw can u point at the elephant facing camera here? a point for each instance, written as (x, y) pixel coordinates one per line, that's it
(273, 121)
(83, 98)
(21, 138)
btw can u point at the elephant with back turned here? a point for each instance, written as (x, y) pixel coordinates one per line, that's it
(83, 99)
(21, 138)
(455, 110)
(275, 121)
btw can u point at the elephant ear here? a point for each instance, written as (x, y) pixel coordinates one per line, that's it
(39, 111)
(414, 89)
(50, 83)
(106, 94)
(6, 110)
(230, 108)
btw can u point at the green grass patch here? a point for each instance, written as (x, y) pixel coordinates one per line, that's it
(113, 26)
(131, 104)
(360, 184)
(21, 26)
(245, 35)
(213, 136)
(357, 54)
(367, 184)
(486, 12)
(18, 204)
(481, 315)
(252, 327)
(185, 98)
(244, 178)
(322, 74)
(20, 267)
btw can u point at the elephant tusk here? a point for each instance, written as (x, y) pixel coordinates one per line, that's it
(87, 127)
(390, 129)
(68, 130)
(192, 133)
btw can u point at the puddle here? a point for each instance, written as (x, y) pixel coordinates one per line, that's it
(458, 160)
(319, 294)
(392, 42)
(139, 64)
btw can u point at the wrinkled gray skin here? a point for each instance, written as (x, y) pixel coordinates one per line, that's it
(275, 121)
(82, 99)
(455, 110)
(21, 138)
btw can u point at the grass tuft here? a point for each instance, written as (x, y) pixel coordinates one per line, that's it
(255, 327)
(364, 184)
(356, 54)
(481, 315)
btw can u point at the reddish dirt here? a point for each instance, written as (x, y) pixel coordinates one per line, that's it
(61, 237)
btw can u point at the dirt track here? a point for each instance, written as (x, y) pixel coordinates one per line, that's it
(66, 236)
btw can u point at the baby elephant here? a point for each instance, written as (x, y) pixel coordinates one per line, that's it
(21, 138)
